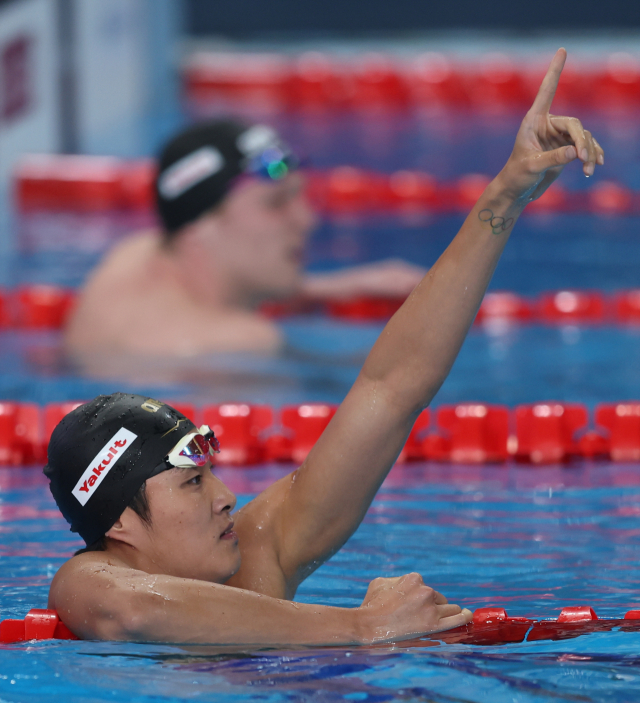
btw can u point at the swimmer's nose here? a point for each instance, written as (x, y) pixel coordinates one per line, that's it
(224, 499)
(303, 215)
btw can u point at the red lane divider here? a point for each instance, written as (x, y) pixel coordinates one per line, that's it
(238, 427)
(622, 422)
(42, 306)
(490, 626)
(302, 425)
(39, 624)
(47, 307)
(55, 192)
(546, 432)
(569, 306)
(473, 433)
(215, 82)
(81, 183)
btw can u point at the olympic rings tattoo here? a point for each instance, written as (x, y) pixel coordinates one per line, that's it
(498, 224)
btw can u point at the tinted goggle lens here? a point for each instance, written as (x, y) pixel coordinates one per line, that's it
(199, 449)
(273, 164)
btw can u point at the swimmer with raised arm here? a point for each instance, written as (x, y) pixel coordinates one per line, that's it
(168, 562)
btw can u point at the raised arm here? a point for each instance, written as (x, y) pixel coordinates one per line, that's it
(417, 348)
(98, 599)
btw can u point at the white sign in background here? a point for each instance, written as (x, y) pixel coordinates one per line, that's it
(125, 71)
(29, 108)
(122, 70)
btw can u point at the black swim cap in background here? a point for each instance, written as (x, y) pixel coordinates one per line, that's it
(198, 166)
(103, 451)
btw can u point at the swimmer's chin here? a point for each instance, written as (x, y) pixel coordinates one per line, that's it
(234, 570)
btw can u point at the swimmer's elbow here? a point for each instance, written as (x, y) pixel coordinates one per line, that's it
(120, 617)
(132, 620)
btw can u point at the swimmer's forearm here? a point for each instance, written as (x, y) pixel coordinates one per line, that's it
(420, 343)
(167, 609)
(402, 373)
(389, 277)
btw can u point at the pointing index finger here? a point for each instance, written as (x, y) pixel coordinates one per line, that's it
(544, 98)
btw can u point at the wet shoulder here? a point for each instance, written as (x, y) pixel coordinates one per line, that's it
(76, 574)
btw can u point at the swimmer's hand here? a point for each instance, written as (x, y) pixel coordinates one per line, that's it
(389, 278)
(404, 607)
(546, 143)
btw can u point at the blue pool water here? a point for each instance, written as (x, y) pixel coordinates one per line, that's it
(528, 540)
(531, 540)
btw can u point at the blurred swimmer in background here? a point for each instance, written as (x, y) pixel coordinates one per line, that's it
(235, 220)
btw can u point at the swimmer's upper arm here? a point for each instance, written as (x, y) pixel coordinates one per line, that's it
(94, 598)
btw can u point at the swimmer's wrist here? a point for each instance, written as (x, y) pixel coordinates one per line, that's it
(369, 626)
(363, 629)
(504, 190)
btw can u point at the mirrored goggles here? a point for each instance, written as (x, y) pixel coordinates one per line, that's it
(194, 449)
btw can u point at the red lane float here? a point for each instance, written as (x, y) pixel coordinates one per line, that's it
(302, 426)
(503, 307)
(546, 432)
(490, 626)
(39, 624)
(626, 307)
(108, 197)
(472, 433)
(572, 307)
(216, 82)
(238, 427)
(364, 309)
(42, 306)
(4, 308)
(539, 433)
(622, 422)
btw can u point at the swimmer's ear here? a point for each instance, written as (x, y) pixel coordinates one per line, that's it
(125, 528)
(206, 226)
(116, 530)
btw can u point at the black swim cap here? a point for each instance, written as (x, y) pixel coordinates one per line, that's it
(103, 451)
(197, 167)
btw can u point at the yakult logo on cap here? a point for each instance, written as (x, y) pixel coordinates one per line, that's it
(102, 464)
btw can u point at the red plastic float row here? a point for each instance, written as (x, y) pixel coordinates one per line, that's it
(81, 183)
(47, 307)
(36, 307)
(477, 433)
(316, 81)
(567, 307)
(490, 626)
(39, 624)
(90, 184)
(349, 190)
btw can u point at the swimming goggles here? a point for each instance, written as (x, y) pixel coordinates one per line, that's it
(194, 449)
(273, 164)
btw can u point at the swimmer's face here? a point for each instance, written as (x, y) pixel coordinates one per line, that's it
(261, 230)
(189, 535)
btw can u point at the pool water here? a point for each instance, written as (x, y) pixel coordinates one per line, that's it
(532, 540)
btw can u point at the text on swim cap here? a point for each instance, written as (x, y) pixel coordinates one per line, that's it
(104, 461)
(189, 171)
